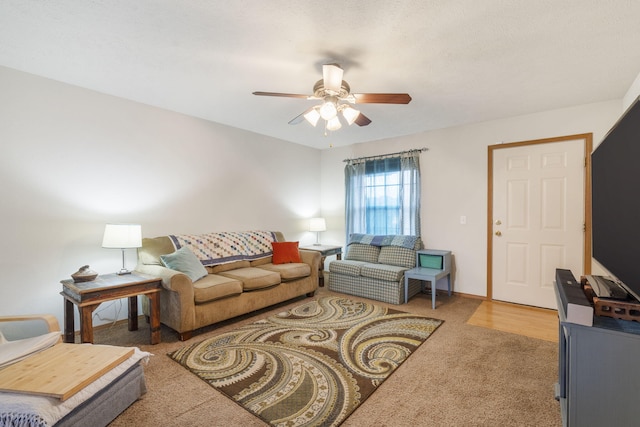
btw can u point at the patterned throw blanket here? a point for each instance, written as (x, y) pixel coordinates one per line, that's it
(220, 248)
(390, 240)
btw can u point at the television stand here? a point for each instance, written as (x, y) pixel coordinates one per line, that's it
(598, 370)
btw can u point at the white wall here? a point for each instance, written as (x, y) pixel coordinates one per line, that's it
(72, 160)
(632, 93)
(454, 178)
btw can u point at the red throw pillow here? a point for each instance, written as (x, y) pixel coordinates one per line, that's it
(285, 252)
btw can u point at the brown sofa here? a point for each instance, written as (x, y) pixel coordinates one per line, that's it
(230, 288)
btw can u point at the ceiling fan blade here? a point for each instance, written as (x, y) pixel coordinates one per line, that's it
(362, 120)
(284, 95)
(382, 98)
(332, 76)
(297, 119)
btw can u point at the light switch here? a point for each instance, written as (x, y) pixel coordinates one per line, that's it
(463, 219)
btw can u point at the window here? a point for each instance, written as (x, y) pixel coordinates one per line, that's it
(383, 195)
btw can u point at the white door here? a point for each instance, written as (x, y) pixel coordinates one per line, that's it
(538, 219)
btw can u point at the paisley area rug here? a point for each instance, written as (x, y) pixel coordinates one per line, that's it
(309, 366)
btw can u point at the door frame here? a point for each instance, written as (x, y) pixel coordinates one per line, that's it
(586, 243)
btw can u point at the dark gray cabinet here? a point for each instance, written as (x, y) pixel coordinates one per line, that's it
(599, 372)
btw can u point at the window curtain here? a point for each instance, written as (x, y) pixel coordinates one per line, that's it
(355, 203)
(410, 185)
(383, 195)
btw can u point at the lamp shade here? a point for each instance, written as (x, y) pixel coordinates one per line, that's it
(317, 224)
(328, 110)
(312, 116)
(334, 123)
(350, 114)
(122, 236)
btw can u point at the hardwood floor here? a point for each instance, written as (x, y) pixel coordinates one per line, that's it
(532, 322)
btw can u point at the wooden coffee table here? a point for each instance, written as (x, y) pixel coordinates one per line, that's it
(87, 296)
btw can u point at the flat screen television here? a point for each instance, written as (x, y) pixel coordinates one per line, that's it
(615, 187)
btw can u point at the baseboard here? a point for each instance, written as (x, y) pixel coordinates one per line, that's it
(141, 318)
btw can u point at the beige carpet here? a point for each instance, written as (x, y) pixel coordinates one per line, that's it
(463, 375)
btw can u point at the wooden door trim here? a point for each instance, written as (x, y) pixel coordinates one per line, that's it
(588, 148)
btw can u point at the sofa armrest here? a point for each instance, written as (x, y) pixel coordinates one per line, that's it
(177, 300)
(172, 280)
(312, 258)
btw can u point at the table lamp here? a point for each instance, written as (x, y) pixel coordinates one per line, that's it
(317, 225)
(122, 236)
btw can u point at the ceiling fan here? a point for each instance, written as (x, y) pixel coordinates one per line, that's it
(336, 98)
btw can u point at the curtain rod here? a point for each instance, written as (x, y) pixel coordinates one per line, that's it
(359, 159)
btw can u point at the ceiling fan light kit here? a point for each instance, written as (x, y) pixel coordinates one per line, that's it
(332, 90)
(350, 114)
(334, 124)
(312, 116)
(329, 109)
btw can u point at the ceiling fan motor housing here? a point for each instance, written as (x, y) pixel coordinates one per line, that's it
(320, 92)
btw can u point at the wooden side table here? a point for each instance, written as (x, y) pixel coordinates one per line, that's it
(325, 251)
(87, 296)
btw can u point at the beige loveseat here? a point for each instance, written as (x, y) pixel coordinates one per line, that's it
(237, 282)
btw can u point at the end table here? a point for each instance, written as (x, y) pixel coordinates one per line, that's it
(325, 251)
(89, 295)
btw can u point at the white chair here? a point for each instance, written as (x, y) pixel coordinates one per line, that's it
(99, 403)
(21, 336)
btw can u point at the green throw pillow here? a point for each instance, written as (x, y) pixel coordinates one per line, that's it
(184, 261)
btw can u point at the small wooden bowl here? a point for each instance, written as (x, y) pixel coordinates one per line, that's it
(84, 274)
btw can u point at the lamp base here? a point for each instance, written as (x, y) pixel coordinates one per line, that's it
(123, 270)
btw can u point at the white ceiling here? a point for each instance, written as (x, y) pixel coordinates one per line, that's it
(462, 61)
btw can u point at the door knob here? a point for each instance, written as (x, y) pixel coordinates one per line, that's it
(498, 233)
(498, 222)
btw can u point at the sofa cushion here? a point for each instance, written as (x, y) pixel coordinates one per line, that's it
(184, 261)
(227, 266)
(362, 252)
(261, 261)
(348, 267)
(215, 287)
(151, 250)
(285, 252)
(253, 278)
(290, 271)
(389, 273)
(395, 255)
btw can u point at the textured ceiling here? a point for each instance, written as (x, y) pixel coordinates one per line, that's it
(462, 61)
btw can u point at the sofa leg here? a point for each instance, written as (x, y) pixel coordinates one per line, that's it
(183, 336)
(310, 294)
